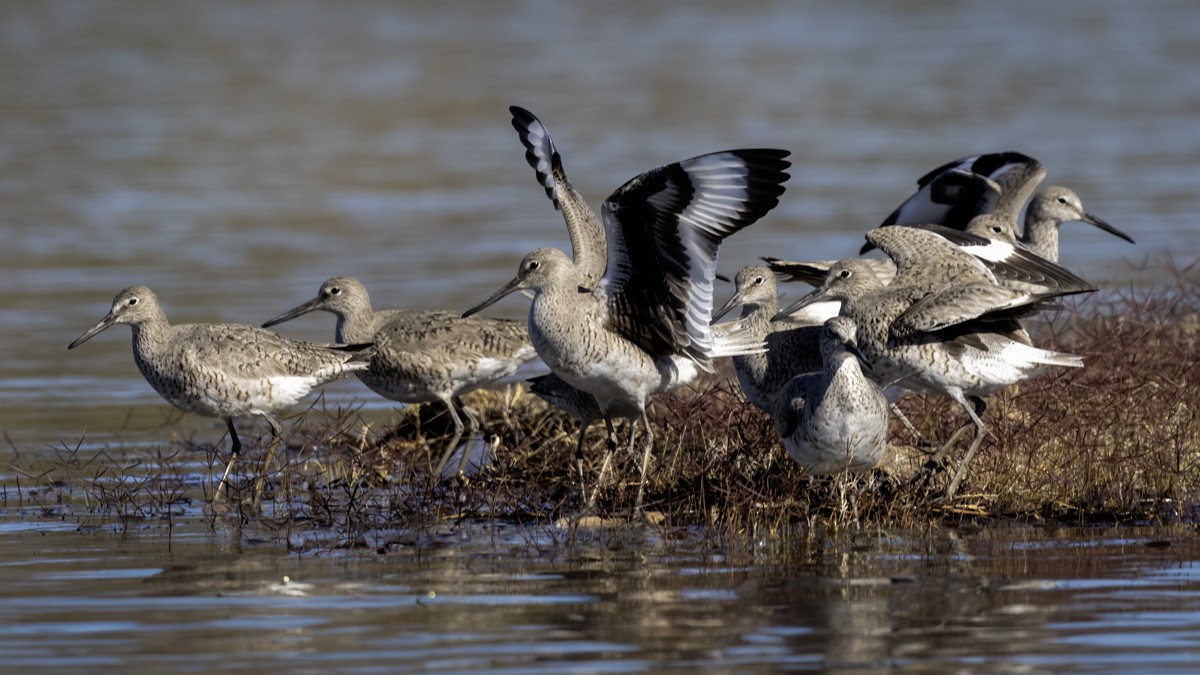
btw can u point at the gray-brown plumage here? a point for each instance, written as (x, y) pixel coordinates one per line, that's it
(225, 370)
(1001, 184)
(423, 356)
(813, 272)
(989, 240)
(645, 326)
(1048, 210)
(588, 242)
(943, 325)
(835, 419)
(791, 350)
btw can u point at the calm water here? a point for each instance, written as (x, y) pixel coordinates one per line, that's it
(512, 601)
(233, 155)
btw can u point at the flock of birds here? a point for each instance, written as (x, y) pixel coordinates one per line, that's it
(630, 314)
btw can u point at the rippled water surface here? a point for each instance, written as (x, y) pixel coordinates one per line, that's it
(232, 155)
(515, 601)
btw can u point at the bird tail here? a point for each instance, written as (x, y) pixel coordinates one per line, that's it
(1059, 359)
(1027, 355)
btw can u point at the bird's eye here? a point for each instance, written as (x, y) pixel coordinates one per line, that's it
(533, 265)
(131, 302)
(1062, 200)
(845, 274)
(336, 290)
(758, 280)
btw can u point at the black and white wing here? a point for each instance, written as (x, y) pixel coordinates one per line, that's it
(664, 229)
(583, 227)
(955, 192)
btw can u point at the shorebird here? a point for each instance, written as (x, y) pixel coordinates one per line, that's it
(732, 338)
(225, 370)
(791, 350)
(423, 356)
(1001, 184)
(989, 239)
(644, 327)
(944, 324)
(793, 346)
(813, 272)
(588, 253)
(589, 243)
(1048, 210)
(836, 419)
(590, 257)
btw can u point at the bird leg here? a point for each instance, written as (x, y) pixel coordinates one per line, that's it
(975, 414)
(234, 452)
(583, 427)
(937, 462)
(472, 429)
(611, 447)
(458, 432)
(907, 424)
(648, 441)
(276, 439)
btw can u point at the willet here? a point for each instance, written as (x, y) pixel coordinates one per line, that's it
(589, 246)
(225, 370)
(645, 326)
(1001, 184)
(1048, 210)
(988, 238)
(589, 243)
(423, 356)
(944, 324)
(813, 272)
(732, 338)
(836, 419)
(588, 253)
(791, 350)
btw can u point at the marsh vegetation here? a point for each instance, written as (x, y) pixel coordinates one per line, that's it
(1116, 442)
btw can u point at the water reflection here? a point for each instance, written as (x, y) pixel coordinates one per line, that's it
(231, 155)
(141, 601)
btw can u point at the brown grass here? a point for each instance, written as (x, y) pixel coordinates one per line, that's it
(1116, 441)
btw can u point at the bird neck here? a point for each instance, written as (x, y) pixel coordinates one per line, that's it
(757, 314)
(151, 335)
(355, 325)
(1041, 235)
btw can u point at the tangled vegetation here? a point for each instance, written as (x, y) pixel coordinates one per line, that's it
(1116, 441)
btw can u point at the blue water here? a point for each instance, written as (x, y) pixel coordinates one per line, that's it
(233, 155)
(237, 158)
(513, 601)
